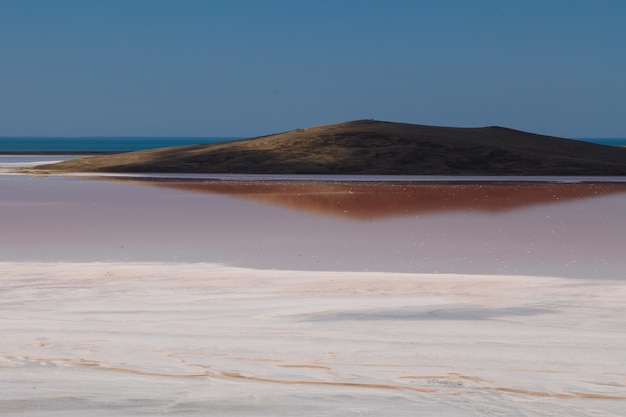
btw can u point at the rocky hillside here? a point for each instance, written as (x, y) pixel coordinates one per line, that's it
(373, 147)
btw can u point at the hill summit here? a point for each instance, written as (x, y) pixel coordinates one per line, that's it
(373, 147)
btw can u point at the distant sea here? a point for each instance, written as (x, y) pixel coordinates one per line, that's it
(57, 145)
(606, 141)
(32, 145)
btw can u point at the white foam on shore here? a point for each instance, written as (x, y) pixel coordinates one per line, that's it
(184, 338)
(12, 164)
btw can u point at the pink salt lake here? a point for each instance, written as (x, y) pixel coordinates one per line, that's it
(548, 229)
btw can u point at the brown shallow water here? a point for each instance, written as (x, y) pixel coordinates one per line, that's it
(573, 230)
(374, 200)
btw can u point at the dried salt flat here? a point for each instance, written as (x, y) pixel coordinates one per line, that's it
(130, 339)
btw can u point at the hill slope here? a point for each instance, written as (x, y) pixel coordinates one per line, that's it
(374, 147)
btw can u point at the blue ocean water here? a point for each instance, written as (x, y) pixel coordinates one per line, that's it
(97, 144)
(606, 141)
(32, 145)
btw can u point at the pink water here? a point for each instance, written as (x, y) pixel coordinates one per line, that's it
(570, 230)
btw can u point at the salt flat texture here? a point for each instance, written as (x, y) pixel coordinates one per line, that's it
(141, 339)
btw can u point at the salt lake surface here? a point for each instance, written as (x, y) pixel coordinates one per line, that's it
(549, 229)
(140, 297)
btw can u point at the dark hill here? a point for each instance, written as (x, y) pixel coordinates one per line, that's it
(374, 147)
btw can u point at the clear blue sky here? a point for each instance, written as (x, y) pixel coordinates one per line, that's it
(252, 67)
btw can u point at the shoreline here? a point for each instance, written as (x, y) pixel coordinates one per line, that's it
(27, 168)
(434, 179)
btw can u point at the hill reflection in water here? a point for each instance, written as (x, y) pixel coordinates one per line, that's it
(373, 200)
(546, 229)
